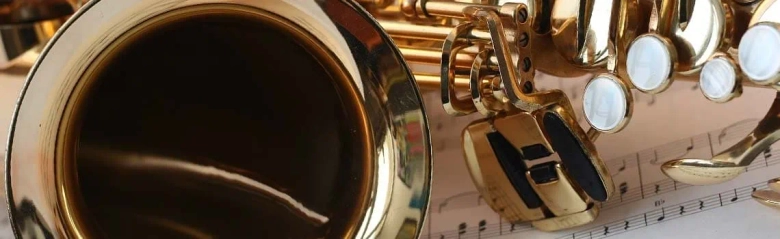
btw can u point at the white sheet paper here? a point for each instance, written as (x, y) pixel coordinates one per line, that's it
(664, 126)
(676, 123)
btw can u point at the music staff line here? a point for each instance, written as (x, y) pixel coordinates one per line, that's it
(671, 212)
(646, 219)
(651, 156)
(681, 147)
(664, 186)
(770, 157)
(626, 196)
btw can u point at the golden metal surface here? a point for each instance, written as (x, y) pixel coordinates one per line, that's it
(697, 37)
(188, 153)
(731, 162)
(561, 197)
(582, 39)
(489, 176)
(22, 43)
(774, 184)
(81, 127)
(769, 197)
(522, 122)
(433, 82)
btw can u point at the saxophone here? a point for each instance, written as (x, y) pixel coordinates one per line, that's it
(305, 118)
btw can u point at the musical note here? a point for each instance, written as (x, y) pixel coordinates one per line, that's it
(621, 169)
(689, 147)
(661, 153)
(512, 228)
(654, 161)
(623, 188)
(461, 229)
(482, 227)
(767, 154)
(441, 236)
(754, 189)
(720, 136)
(604, 228)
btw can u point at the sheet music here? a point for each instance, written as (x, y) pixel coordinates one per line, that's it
(677, 123)
(646, 203)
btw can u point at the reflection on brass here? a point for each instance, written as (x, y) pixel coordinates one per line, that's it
(209, 119)
(500, 163)
(560, 192)
(731, 162)
(489, 176)
(222, 118)
(769, 197)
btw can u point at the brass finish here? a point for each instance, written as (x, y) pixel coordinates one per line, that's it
(696, 39)
(731, 162)
(484, 168)
(352, 123)
(560, 197)
(22, 43)
(560, 194)
(25, 11)
(169, 120)
(769, 197)
(433, 82)
(591, 32)
(774, 184)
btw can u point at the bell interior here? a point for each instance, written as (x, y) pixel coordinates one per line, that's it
(218, 125)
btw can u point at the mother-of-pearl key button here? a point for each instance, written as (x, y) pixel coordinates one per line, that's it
(718, 80)
(649, 63)
(605, 103)
(759, 53)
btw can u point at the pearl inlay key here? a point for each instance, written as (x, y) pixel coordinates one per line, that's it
(649, 63)
(718, 79)
(606, 103)
(759, 53)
